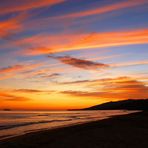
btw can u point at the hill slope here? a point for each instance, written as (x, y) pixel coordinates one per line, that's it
(141, 104)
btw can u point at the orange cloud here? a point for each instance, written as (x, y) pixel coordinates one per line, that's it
(10, 71)
(104, 9)
(11, 97)
(26, 5)
(8, 28)
(63, 42)
(17, 68)
(50, 72)
(117, 88)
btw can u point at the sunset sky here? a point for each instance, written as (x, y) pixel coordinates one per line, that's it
(68, 54)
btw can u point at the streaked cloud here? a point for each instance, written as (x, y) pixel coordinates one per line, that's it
(118, 88)
(104, 9)
(13, 68)
(69, 42)
(97, 82)
(104, 81)
(10, 27)
(86, 16)
(32, 91)
(12, 97)
(80, 63)
(53, 75)
(17, 68)
(18, 6)
(28, 90)
(11, 71)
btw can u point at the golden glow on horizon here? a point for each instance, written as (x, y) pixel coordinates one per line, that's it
(112, 89)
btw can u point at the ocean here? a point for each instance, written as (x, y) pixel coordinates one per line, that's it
(14, 123)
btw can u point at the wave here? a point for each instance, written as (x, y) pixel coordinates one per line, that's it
(29, 123)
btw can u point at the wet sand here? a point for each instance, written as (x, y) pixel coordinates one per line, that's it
(124, 131)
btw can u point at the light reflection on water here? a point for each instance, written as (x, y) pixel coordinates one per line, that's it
(13, 123)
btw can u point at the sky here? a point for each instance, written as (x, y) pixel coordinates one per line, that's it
(72, 54)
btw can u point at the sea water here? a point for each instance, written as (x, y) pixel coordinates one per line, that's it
(14, 123)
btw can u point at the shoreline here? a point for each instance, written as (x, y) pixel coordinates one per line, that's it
(55, 138)
(5, 137)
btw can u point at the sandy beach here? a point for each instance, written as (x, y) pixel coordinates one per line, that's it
(124, 131)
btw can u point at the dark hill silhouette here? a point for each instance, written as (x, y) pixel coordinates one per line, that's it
(141, 104)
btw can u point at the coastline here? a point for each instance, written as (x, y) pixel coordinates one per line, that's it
(129, 130)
